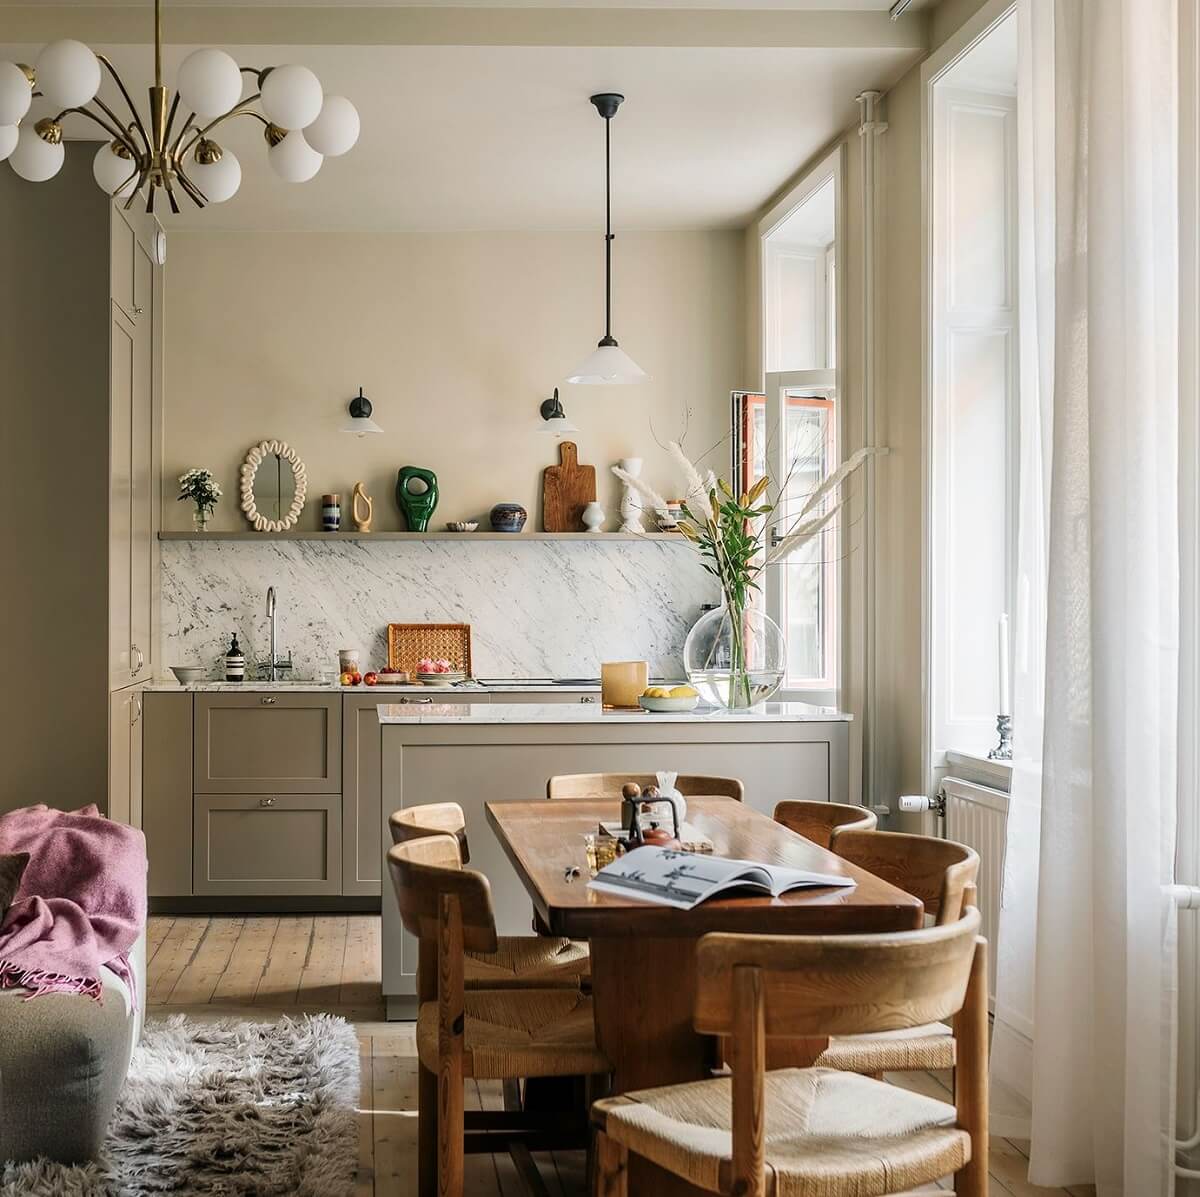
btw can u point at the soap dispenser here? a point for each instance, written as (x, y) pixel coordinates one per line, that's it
(235, 662)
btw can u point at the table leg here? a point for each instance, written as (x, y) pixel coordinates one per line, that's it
(644, 993)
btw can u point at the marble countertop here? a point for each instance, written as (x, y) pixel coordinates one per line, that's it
(592, 713)
(310, 687)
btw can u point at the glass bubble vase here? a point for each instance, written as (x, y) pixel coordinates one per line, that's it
(735, 657)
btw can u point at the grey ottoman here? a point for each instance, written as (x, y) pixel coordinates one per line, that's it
(63, 1060)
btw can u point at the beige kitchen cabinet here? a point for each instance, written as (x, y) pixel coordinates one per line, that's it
(167, 791)
(548, 696)
(125, 726)
(284, 742)
(122, 263)
(267, 844)
(123, 365)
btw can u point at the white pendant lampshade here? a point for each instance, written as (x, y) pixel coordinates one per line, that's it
(608, 364)
(293, 159)
(16, 93)
(8, 140)
(68, 74)
(219, 176)
(210, 82)
(359, 421)
(292, 97)
(117, 175)
(336, 130)
(33, 159)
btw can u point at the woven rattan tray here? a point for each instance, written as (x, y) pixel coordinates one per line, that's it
(408, 643)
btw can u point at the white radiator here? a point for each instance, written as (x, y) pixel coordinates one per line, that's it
(977, 816)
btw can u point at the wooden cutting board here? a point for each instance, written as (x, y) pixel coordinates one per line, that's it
(567, 489)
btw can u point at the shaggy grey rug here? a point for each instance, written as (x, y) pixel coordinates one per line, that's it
(231, 1108)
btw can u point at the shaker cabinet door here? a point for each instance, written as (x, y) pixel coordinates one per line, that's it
(123, 367)
(142, 584)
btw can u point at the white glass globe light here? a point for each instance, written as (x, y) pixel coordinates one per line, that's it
(293, 159)
(292, 97)
(8, 140)
(34, 159)
(115, 175)
(336, 130)
(68, 74)
(218, 180)
(209, 82)
(16, 94)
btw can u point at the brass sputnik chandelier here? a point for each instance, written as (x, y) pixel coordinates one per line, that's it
(301, 125)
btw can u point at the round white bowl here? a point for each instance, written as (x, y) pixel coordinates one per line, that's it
(664, 705)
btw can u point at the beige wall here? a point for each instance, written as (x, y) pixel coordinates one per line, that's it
(456, 339)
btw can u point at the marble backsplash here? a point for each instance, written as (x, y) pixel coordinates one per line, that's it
(544, 609)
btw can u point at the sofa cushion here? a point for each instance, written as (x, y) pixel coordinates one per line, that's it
(11, 870)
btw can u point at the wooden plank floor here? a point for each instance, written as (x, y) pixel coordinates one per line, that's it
(264, 967)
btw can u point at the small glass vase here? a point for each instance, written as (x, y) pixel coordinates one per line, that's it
(200, 518)
(735, 657)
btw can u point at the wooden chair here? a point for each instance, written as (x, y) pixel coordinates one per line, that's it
(817, 1130)
(817, 821)
(518, 961)
(942, 874)
(608, 785)
(502, 1034)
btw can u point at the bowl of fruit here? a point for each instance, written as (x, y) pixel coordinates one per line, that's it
(438, 673)
(662, 699)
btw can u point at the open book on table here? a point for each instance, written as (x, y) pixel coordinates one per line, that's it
(669, 877)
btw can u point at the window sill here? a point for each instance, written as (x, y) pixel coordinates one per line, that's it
(971, 766)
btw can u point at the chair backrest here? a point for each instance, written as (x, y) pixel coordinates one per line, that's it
(427, 869)
(942, 873)
(431, 818)
(608, 785)
(813, 985)
(816, 821)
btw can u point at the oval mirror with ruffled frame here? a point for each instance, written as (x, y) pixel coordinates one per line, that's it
(274, 486)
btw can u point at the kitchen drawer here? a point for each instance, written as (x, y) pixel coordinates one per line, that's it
(264, 844)
(539, 697)
(258, 743)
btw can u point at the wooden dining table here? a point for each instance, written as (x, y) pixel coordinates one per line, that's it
(643, 955)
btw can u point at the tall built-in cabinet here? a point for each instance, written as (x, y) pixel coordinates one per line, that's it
(81, 348)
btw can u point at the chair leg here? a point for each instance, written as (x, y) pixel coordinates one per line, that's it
(451, 1129)
(971, 1077)
(427, 1133)
(612, 1167)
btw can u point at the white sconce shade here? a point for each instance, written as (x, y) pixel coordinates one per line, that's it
(220, 180)
(210, 82)
(33, 159)
(293, 159)
(608, 364)
(292, 97)
(8, 140)
(115, 175)
(359, 421)
(554, 420)
(336, 130)
(16, 94)
(68, 74)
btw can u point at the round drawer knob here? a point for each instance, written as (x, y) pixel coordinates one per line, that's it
(269, 701)
(266, 802)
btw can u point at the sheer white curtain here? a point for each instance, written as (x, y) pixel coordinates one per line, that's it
(1088, 971)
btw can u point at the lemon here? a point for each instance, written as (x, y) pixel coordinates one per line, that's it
(683, 692)
(656, 692)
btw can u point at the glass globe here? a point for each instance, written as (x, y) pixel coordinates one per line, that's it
(8, 140)
(292, 97)
(116, 175)
(209, 82)
(218, 180)
(735, 660)
(293, 159)
(15, 93)
(336, 130)
(34, 159)
(68, 74)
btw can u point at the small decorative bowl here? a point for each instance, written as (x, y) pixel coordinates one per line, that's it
(440, 679)
(662, 706)
(462, 526)
(186, 675)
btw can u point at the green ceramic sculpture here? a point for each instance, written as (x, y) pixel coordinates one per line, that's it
(417, 504)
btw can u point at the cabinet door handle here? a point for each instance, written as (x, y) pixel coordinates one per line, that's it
(587, 698)
(137, 311)
(421, 702)
(135, 709)
(141, 660)
(269, 701)
(266, 802)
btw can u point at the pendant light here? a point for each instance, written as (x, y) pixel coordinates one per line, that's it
(608, 363)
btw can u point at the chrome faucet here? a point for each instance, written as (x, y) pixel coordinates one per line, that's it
(274, 664)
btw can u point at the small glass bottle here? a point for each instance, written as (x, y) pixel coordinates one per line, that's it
(235, 662)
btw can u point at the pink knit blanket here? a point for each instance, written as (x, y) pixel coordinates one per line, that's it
(82, 901)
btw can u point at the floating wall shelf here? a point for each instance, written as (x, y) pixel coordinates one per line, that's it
(518, 537)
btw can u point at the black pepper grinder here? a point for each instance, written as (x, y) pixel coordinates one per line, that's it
(235, 662)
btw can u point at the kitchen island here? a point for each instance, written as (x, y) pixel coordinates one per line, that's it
(475, 753)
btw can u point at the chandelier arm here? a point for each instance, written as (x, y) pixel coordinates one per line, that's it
(137, 119)
(143, 175)
(116, 120)
(188, 126)
(241, 110)
(112, 130)
(193, 192)
(170, 190)
(170, 120)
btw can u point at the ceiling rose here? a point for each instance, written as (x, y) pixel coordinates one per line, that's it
(302, 126)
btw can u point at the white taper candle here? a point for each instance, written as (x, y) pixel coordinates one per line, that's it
(1005, 690)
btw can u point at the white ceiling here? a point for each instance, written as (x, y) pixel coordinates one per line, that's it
(502, 137)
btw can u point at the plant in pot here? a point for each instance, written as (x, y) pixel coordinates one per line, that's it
(201, 488)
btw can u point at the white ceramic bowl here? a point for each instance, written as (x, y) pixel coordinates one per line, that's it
(185, 675)
(440, 679)
(462, 526)
(663, 705)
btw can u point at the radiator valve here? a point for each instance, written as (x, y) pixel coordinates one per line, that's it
(916, 803)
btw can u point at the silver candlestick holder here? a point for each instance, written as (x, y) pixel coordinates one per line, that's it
(1003, 750)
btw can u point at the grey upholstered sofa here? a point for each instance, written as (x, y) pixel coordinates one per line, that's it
(63, 1060)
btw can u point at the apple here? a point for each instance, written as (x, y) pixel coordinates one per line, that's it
(347, 679)
(370, 678)
(355, 678)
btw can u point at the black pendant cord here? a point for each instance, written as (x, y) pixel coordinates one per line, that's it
(608, 234)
